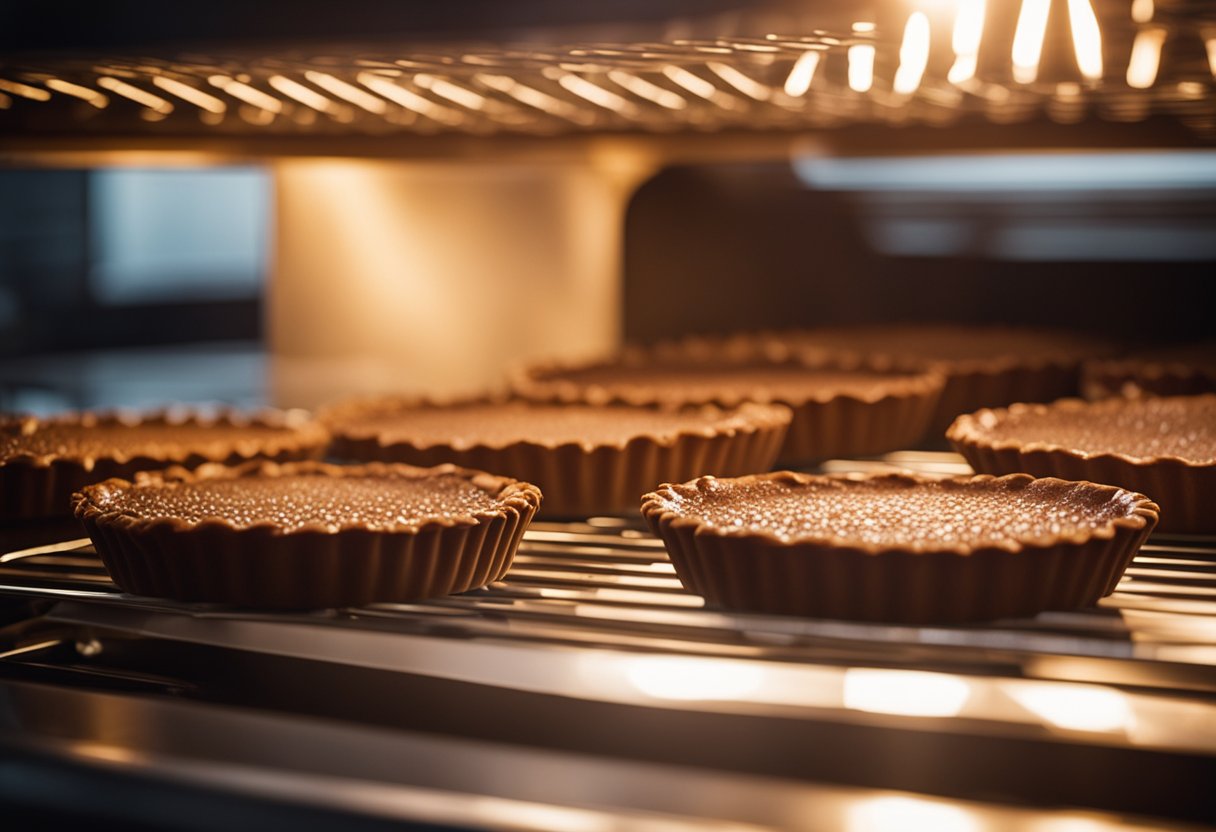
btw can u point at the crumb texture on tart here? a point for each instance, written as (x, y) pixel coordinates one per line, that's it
(897, 511)
(1181, 427)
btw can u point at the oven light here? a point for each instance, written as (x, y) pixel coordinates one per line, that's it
(1146, 58)
(897, 813)
(1028, 40)
(904, 692)
(861, 67)
(802, 73)
(1086, 38)
(968, 32)
(1075, 707)
(913, 54)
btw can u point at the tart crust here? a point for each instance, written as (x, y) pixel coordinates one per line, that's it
(40, 485)
(266, 565)
(1183, 487)
(579, 478)
(839, 577)
(1177, 371)
(984, 366)
(826, 422)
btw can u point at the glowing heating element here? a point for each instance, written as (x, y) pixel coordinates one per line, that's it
(802, 73)
(347, 92)
(968, 32)
(861, 67)
(913, 54)
(92, 96)
(1086, 38)
(596, 94)
(645, 89)
(195, 96)
(24, 90)
(142, 97)
(1076, 707)
(1146, 58)
(740, 81)
(250, 95)
(1028, 40)
(904, 692)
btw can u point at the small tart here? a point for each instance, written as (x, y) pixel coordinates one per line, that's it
(840, 408)
(898, 547)
(43, 461)
(1165, 447)
(984, 366)
(306, 535)
(589, 459)
(1170, 371)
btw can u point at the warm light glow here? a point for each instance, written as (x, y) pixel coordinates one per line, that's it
(24, 90)
(531, 96)
(743, 83)
(5, 101)
(645, 89)
(244, 92)
(1086, 38)
(913, 54)
(153, 102)
(1028, 40)
(862, 27)
(1210, 43)
(687, 679)
(197, 97)
(596, 94)
(1142, 10)
(305, 95)
(1146, 58)
(455, 93)
(802, 73)
(897, 813)
(695, 84)
(1075, 707)
(347, 92)
(904, 692)
(92, 96)
(409, 99)
(861, 67)
(968, 32)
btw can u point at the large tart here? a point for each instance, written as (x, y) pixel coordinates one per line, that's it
(589, 459)
(1165, 447)
(984, 366)
(306, 534)
(1168, 371)
(43, 461)
(896, 547)
(840, 408)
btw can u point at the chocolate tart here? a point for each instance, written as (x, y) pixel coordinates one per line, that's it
(1164, 447)
(1172, 371)
(840, 408)
(897, 547)
(306, 535)
(589, 459)
(984, 366)
(43, 461)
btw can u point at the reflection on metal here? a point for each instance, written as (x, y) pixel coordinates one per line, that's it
(1086, 38)
(24, 90)
(904, 692)
(802, 74)
(1142, 10)
(1028, 40)
(88, 94)
(243, 92)
(347, 92)
(913, 54)
(898, 813)
(686, 679)
(1075, 707)
(968, 32)
(142, 97)
(1146, 58)
(195, 96)
(861, 67)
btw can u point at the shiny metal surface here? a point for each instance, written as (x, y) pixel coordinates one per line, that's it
(590, 646)
(765, 68)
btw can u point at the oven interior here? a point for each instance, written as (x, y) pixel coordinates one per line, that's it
(554, 181)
